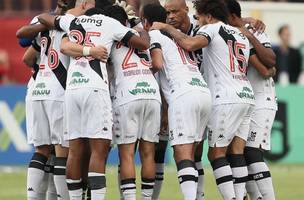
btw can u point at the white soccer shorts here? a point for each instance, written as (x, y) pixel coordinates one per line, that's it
(89, 114)
(135, 120)
(260, 128)
(188, 116)
(228, 121)
(29, 119)
(48, 122)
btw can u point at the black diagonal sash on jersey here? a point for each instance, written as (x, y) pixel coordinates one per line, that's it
(47, 35)
(226, 36)
(61, 74)
(36, 69)
(95, 65)
(79, 27)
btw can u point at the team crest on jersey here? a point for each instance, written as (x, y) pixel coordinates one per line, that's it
(142, 88)
(246, 93)
(40, 90)
(78, 78)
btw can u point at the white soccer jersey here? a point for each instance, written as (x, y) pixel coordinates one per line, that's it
(91, 31)
(133, 78)
(264, 89)
(225, 63)
(50, 82)
(179, 74)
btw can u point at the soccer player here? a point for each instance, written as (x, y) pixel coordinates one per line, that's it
(259, 185)
(136, 108)
(39, 170)
(181, 82)
(48, 105)
(225, 59)
(88, 101)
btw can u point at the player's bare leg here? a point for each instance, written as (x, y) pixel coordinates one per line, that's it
(60, 172)
(96, 176)
(127, 171)
(187, 174)
(74, 168)
(147, 152)
(235, 156)
(199, 167)
(36, 172)
(222, 171)
(159, 157)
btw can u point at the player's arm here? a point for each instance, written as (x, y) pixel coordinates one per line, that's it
(156, 57)
(30, 31)
(30, 56)
(265, 54)
(186, 42)
(141, 42)
(258, 25)
(262, 69)
(47, 20)
(76, 50)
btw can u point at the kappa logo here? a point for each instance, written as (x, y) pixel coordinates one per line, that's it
(30, 189)
(11, 131)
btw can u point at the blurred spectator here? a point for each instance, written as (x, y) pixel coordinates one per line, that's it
(4, 66)
(289, 59)
(26, 6)
(301, 77)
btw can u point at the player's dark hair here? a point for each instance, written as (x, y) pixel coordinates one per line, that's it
(154, 13)
(103, 3)
(234, 7)
(94, 11)
(116, 12)
(282, 28)
(216, 8)
(71, 4)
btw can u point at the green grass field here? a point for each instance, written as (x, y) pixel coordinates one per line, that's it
(288, 182)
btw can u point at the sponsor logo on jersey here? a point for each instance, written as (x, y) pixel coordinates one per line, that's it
(246, 93)
(78, 78)
(142, 88)
(97, 22)
(197, 82)
(40, 90)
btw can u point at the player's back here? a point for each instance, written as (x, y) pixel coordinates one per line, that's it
(93, 31)
(225, 63)
(180, 74)
(51, 79)
(133, 78)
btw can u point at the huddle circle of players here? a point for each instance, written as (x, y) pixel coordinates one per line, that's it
(138, 77)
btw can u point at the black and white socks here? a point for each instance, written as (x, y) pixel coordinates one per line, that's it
(128, 188)
(35, 176)
(97, 184)
(223, 176)
(239, 173)
(200, 195)
(60, 178)
(259, 171)
(147, 186)
(75, 189)
(187, 176)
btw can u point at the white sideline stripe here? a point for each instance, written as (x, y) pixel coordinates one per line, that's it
(13, 128)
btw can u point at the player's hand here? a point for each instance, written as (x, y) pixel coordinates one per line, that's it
(258, 25)
(158, 26)
(100, 53)
(128, 8)
(272, 71)
(246, 32)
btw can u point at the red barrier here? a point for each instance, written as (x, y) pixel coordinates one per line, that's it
(18, 71)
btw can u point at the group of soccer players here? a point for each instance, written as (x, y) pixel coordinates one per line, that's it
(103, 78)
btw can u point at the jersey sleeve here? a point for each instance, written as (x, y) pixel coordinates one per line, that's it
(62, 23)
(34, 21)
(155, 42)
(207, 31)
(263, 39)
(121, 33)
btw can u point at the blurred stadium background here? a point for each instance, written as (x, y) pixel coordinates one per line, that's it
(286, 156)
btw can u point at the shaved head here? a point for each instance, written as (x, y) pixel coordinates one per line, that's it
(177, 14)
(180, 3)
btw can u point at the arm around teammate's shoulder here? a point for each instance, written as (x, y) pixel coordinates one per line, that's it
(186, 42)
(260, 67)
(141, 42)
